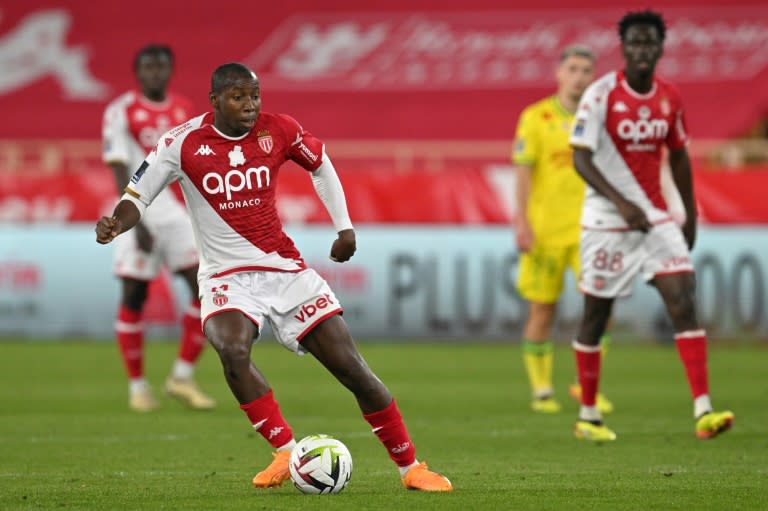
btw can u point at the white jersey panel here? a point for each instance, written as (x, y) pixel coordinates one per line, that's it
(589, 121)
(221, 248)
(599, 212)
(590, 132)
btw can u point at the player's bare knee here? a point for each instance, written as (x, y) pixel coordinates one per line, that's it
(135, 294)
(680, 304)
(234, 350)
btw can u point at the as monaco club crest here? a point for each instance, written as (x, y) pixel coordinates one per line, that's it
(219, 298)
(265, 141)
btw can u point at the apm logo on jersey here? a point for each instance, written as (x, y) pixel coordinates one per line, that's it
(235, 180)
(645, 132)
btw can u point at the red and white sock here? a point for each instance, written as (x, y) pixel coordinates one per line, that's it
(390, 429)
(192, 342)
(692, 348)
(588, 368)
(266, 418)
(129, 331)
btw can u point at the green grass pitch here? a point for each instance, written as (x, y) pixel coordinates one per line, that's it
(68, 440)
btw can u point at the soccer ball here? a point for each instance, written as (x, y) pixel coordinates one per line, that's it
(320, 464)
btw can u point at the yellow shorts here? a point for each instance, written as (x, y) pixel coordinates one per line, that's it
(541, 272)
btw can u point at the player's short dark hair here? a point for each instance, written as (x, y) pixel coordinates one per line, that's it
(226, 74)
(153, 50)
(646, 17)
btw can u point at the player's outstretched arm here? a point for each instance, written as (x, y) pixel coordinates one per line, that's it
(122, 178)
(328, 188)
(680, 164)
(125, 216)
(631, 212)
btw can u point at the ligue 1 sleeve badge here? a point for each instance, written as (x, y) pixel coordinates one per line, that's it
(219, 298)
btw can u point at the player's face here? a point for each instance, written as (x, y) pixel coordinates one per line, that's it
(641, 48)
(153, 73)
(237, 107)
(574, 74)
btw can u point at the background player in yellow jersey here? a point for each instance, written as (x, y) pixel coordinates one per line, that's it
(549, 201)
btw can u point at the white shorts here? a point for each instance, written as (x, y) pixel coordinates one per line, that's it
(293, 303)
(611, 259)
(173, 246)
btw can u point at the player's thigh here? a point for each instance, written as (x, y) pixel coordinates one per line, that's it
(230, 293)
(666, 253)
(331, 343)
(175, 240)
(609, 262)
(540, 274)
(302, 301)
(129, 261)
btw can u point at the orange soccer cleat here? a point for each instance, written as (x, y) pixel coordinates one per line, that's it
(423, 479)
(276, 473)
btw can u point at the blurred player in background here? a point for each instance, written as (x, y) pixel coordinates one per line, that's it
(132, 126)
(549, 197)
(251, 273)
(624, 120)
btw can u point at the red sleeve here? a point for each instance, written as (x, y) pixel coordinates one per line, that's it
(677, 138)
(303, 147)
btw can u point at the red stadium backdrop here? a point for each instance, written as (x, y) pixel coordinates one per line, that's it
(472, 196)
(417, 100)
(401, 69)
(385, 81)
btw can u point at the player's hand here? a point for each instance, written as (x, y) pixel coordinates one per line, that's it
(143, 238)
(524, 236)
(344, 247)
(107, 229)
(634, 216)
(689, 231)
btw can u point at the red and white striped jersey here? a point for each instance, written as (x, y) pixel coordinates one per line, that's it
(131, 127)
(229, 186)
(626, 132)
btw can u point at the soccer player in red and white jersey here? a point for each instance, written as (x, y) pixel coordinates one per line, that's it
(228, 162)
(132, 125)
(624, 120)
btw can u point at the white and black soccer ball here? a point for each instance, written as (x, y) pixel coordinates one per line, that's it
(320, 464)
